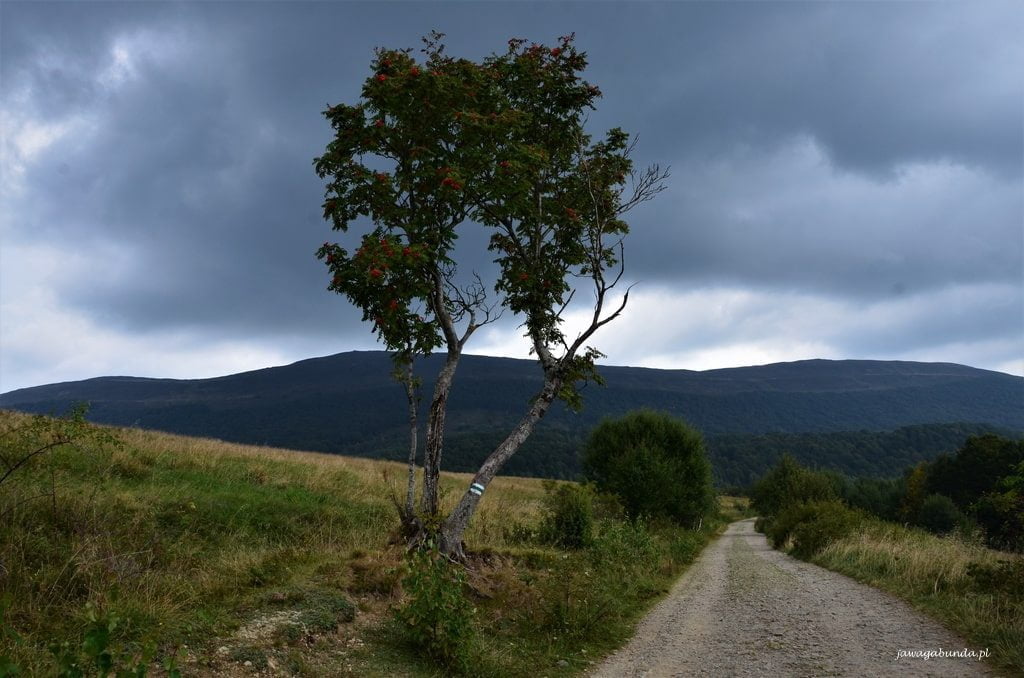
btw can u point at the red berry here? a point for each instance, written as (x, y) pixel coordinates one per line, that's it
(375, 273)
(379, 123)
(556, 51)
(414, 71)
(381, 77)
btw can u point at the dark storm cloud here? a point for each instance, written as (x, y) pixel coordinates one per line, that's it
(877, 84)
(861, 150)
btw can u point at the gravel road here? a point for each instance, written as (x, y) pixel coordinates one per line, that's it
(744, 609)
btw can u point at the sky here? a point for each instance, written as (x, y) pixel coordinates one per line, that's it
(847, 179)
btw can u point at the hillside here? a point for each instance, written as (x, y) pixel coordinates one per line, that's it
(233, 561)
(347, 403)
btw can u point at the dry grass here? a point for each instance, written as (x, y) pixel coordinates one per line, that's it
(735, 508)
(934, 574)
(190, 541)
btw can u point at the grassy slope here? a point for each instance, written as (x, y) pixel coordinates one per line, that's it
(229, 554)
(932, 573)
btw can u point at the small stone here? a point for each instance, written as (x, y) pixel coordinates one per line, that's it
(563, 663)
(223, 649)
(247, 664)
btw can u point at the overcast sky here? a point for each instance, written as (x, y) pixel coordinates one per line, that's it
(846, 178)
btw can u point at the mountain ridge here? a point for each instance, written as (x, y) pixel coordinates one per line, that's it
(347, 403)
(956, 370)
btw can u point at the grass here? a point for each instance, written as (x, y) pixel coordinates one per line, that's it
(735, 508)
(973, 590)
(222, 554)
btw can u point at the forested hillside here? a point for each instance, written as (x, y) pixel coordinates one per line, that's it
(347, 403)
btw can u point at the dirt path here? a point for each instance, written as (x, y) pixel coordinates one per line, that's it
(744, 609)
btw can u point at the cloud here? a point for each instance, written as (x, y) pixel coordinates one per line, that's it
(43, 337)
(789, 219)
(722, 326)
(846, 178)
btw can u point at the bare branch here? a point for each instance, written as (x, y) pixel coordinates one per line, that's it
(646, 184)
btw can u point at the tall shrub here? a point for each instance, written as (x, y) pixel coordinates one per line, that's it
(789, 483)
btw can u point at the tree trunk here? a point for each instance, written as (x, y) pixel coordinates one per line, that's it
(410, 494)
(435, 434)
(458, 521)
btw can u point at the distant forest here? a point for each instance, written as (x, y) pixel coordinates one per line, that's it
(864, 418)
(737, 459)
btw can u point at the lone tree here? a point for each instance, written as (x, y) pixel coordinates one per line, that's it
(450, 144)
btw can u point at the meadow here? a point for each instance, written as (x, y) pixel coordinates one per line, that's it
(185, 556)
(976, 591)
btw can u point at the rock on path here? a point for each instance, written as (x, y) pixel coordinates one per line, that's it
(744, 609)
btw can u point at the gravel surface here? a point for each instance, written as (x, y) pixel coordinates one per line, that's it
(744, 609)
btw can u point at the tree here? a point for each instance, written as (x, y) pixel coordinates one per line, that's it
(1001, 512)
(939, 514)
(656, 464)
(917, 487)
(452, 144)
(975, 469)
(788, 483)
(416, 119)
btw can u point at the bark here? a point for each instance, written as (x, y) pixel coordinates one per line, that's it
(454, 527)
(410, 494)
(435, 433)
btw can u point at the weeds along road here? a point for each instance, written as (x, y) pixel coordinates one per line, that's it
(744, 609)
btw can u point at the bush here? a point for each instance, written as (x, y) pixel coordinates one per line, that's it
(656, 464)
(685, 547)
(591, 595)
(568, 515)
(1005, 577)
(812, 526)
(789, 483)
(938, 514)
(1001, 512)
(437, 617)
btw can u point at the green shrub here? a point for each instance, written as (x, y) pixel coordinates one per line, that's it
(656, 464)
(1004, 578)
(325, 611)
(437, 617)
(789, 483)
(938, 514)
(812, 526)
(685, 547)
(590, 596)
(98, 655)
(622, 546)
(568, 519)
(1001, 512)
